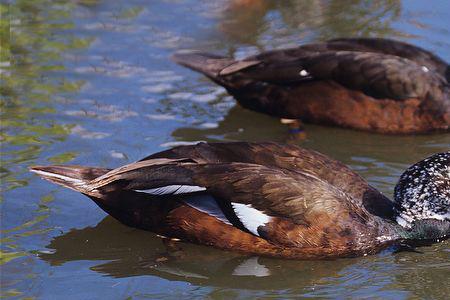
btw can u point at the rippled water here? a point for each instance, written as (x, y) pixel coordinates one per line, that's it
(89, 82)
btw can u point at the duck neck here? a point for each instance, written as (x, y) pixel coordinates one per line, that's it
(426, 230)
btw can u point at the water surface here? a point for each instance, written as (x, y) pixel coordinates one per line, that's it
(89, 82)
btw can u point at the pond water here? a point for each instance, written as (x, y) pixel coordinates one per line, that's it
(90, 82)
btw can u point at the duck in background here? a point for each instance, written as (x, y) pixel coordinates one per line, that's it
(267, 199)
(370, 84)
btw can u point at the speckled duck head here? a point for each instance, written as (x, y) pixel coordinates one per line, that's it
(422, 196)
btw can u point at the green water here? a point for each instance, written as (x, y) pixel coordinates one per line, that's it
(89, 82)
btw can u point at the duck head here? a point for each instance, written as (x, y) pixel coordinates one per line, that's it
(422, 196)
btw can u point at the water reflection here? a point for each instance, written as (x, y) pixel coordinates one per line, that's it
(130, 252)
(256, 21)
(238, 124)
(426, 270)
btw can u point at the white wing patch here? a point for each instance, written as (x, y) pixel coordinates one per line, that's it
(208, 205)
(303, 73)
(250, 217)
(173, 190)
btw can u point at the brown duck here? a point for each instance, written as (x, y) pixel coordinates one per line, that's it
(267, 199)
(370, 84)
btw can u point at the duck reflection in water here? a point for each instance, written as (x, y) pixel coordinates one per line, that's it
(131, 252)
(245, 125)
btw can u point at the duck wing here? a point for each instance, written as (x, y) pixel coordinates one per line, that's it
(272, 155)
(413, 53)
(290, 158)
(392, 47)
(377, 75)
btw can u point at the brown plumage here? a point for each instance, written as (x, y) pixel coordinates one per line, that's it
(376, 85)
(259, 198)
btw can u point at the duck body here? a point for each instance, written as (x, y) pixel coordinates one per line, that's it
(257, 198)
(376, 85)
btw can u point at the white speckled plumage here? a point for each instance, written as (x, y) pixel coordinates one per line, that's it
(423, 191)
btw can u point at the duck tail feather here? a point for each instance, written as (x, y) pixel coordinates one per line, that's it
(73, 177)
(208, 64)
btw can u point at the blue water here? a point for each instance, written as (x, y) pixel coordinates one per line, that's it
(90, 82)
